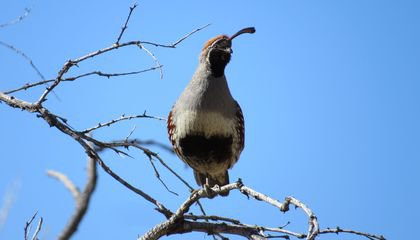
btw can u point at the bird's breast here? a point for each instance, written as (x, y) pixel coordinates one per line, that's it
(207, 123)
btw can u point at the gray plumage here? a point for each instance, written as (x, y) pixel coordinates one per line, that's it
(205, 125)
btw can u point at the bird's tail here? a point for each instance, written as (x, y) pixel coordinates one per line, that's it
(219, 180)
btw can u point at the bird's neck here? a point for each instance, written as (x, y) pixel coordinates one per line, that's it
(217, 69)
(216, 62)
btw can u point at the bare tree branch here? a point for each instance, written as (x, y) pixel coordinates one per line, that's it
(177, 223)
(313, 230)
(158, 65)
(66, 182)
(121, 118)
(28, 59)
(82, 201)
(26, 12)
(38, 229)
(28, 225)
(70, 63)
(126, 23)
(151, 142)
(55, 121)
(173, 45)
(159, 178)
(338, 230)
(69, 79)
(212, 218)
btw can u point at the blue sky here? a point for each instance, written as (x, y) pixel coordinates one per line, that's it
(329, 91)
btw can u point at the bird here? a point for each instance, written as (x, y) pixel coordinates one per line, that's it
(206, 124)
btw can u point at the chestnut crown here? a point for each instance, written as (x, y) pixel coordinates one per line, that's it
(217, 51)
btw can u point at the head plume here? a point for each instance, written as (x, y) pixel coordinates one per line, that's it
(223, 36)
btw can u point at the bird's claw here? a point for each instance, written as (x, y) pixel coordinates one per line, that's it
(209, 191)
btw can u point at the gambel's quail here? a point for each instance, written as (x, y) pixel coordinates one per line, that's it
(206, 125)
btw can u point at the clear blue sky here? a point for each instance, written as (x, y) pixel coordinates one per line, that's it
(329, 90)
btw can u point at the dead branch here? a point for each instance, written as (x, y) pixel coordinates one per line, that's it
(38, 229)
(338, 230)
(75, 192)
(126, 23)
(26, 12)
(121, 118)
(115, 46)
(178, 222)
(69, 79)
(57, 122)
(71, 63)
(173, 45)
(28, 225)
(82, 199)
(24, 56)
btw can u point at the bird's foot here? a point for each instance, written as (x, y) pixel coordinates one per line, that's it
(209, 191)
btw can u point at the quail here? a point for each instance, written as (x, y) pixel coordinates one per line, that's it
(206, 125)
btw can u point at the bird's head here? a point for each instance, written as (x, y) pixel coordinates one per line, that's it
(217, 51)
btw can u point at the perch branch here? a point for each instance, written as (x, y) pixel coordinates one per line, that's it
(179, 223)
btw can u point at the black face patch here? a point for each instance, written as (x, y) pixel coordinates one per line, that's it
(218, 60)
(215, 148)
(219, 56)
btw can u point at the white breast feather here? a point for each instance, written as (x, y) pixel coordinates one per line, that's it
(210, 123)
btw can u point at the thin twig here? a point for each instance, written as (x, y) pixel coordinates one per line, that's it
(173, 45)
(28, 59)
(130, 133)
(121, 118)
(158, 65)
(69, 79)
(126, 23)
(28, 225)
(70, 63)
(152, 142)
(38, 229)
(338, 230)
(157, 175)
(109, 75)
(18, 19)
